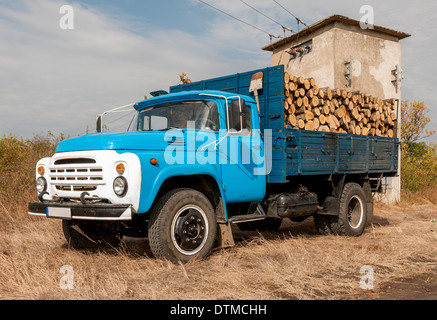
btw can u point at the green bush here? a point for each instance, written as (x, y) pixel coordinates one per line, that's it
(418, 166)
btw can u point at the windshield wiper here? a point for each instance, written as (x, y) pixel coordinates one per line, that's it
(170, 128)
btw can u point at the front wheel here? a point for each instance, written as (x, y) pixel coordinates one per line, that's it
(182, 226)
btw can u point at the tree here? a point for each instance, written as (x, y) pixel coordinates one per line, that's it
(414, 121)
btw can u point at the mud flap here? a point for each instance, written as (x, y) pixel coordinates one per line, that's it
(225, 236)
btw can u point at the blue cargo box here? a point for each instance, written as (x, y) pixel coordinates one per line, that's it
(299, 152)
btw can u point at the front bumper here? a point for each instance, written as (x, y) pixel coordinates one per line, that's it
(79, 211)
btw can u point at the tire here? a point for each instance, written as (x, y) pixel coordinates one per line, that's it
(182, 226)
(91, 235)
(352, 217)
(323, 224)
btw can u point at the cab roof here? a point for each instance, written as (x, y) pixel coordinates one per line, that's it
(188, 95)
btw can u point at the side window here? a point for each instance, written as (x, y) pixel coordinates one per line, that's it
(240, 118)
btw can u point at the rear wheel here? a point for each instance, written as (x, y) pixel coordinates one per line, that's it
(182, 226)
(352, 216)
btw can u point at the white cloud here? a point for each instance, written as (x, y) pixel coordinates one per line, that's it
(59, 80)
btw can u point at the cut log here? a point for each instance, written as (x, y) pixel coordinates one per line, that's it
(344, 94)
(312, 82)
(340, 112)
(315, 101)
(300, 81)
(322, 119)
(309, 125)
(390, 133)
(300, 110)
(301, 124)
(324, 129)
(325, 110)
(321, 94)
(298, 102)
(316, 122)
(286, 105)
(309, 115)
(327, 93)
(292, 120)
(336, 93)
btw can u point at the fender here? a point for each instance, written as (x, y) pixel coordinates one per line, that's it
(155, 175)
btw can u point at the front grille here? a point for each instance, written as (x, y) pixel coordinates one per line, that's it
(74, 161)
(76, 175)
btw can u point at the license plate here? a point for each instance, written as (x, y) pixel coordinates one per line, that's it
(63, 213)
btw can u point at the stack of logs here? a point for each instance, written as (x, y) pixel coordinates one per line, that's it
(308, 107)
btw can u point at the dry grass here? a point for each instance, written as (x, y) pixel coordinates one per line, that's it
(294, 263)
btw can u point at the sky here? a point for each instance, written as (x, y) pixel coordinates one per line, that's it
(58, 80)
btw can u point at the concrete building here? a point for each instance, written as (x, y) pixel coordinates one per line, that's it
(338, 53)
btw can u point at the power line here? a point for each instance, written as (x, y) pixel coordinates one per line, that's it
(246, 23)
(298, 20)
(283, 27)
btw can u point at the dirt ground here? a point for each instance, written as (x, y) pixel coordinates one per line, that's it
(293, 264)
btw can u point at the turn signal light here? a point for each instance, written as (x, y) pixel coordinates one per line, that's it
(120, 168)
(41, 170)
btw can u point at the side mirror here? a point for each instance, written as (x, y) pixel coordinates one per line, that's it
(235, 116)
(239, 116)
(99, 124)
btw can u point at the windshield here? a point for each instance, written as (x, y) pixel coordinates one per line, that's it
(201, 115)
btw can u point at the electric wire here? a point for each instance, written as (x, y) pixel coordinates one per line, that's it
(283, 27)
(298, 20)
(246, 23)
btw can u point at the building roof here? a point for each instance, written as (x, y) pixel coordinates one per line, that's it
(330, 20)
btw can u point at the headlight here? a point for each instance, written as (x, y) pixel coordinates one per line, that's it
(120, 186)
(41, 184)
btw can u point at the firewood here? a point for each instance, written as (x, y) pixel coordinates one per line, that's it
(309, 125)
(314, 101)
(336, 110)
(327, 92)
(292, 119)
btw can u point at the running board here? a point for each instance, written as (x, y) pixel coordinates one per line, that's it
(259, 215)
(247, 218)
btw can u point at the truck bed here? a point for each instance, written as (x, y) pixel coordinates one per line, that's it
(300, 152)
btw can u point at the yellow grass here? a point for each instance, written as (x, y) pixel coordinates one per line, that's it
(294, 263)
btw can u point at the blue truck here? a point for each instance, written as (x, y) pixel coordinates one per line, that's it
(205, 156)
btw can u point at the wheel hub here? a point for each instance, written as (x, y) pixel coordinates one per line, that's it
(189, 229)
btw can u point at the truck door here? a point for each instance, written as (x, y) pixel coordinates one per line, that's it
(242, 155)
